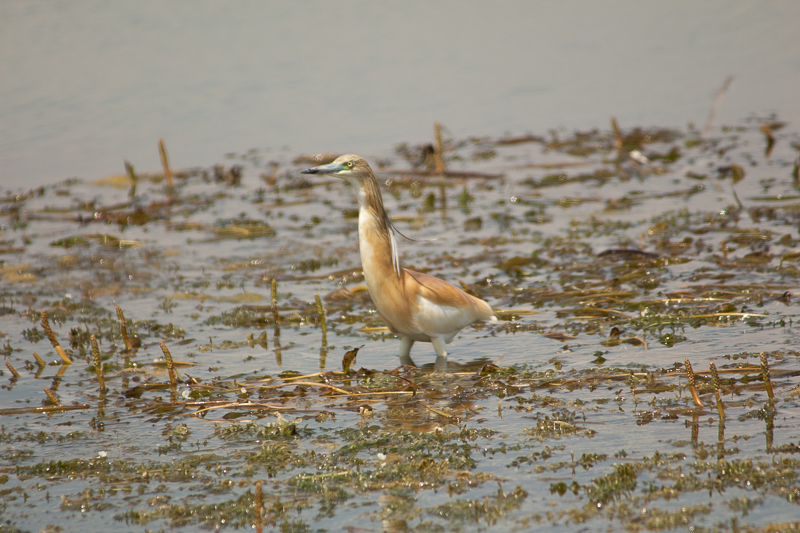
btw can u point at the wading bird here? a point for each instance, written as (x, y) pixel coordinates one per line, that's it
(415, 306)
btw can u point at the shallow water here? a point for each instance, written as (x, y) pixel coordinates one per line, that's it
(585, 421)
(87, 85)
(586, 418)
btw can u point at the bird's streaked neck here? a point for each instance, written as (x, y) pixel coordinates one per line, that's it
(376, 239)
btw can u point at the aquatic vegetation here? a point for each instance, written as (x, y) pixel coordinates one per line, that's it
(172, 351)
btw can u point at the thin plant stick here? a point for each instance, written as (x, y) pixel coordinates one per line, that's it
(717, 99)
(717, 395)
(765, 376)
(132, 175)
(438, 154)
(123, 327)
(259, 504)
(274, 301)
(53, 340)
(692, 387)
(165, 162)
(170, 367)
(12, 370)
(617, 137)
(321, 312)
(51, 397)
(98, 364)
(308, 383)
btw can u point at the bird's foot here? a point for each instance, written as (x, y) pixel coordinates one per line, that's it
(406, 360)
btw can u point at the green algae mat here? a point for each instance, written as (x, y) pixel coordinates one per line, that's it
(196, 349)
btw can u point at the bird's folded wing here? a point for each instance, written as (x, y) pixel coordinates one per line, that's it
(442, 293)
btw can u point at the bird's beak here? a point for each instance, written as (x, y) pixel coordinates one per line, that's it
(330, 168)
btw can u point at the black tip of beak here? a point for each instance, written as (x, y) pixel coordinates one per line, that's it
(309, 171)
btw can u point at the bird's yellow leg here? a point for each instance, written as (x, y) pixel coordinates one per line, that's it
(405, 351)
(440, 365)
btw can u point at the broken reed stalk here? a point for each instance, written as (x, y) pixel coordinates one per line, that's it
(309, 383)
(168, 356)
(717, 395)
(274, 301)
(39, 360)
(52, 337)
(617, 137)
(98, 364)
(692, 387)
(765, 129)
(321, 312)
(132, 175)
(438, 154)
(259, 504)
(717, 99)
(165, 162)
(51, 397)
(123, 328)
(765, 376)
(12, 370)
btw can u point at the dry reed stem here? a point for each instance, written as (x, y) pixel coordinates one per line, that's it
(767, 131)
(39, 360)
(321, 312)
(715, 382)
(310, 383)
(132, 175)
(48, 331)
(692, 387)
(440, 413)
(229, 405)
(98, 364)
(51, 397)
(717, 99)
(438, 154)
(305, 376)
(274, 300)
(165, 162)
(12, 370)
(259, 504)
(123, 328)
(712, 315)
(42, 409)
(765, 376)
(170, 367)
(617, 137)
(382, 393)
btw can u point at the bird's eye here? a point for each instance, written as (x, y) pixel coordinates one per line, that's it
(349, 164)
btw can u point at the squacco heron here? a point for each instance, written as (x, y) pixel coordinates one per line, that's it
(415, 306)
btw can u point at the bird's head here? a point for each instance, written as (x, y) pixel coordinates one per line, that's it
(350, 167)
(354, 170)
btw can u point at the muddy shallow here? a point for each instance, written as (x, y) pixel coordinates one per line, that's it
(611, 261)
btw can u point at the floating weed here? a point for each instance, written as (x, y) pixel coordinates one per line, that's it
(615, 485)
(578, 396)
(487, 511)
(280, 429)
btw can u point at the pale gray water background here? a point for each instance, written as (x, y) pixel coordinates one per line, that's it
(88, 84)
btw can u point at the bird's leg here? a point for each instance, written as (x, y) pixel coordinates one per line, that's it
(405, 351)
(441, 354)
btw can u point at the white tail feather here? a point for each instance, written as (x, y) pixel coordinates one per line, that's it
(395, 254)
